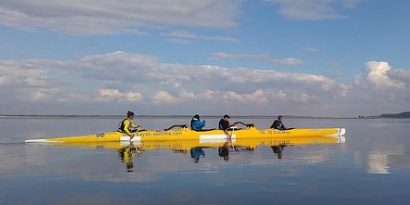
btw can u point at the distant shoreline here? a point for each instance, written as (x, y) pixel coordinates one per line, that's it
(173, 116)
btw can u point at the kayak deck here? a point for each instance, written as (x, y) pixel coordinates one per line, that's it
(202, 136)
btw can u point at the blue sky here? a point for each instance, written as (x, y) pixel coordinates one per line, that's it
(301, 57)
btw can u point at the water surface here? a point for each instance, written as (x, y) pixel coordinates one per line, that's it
(372, 167)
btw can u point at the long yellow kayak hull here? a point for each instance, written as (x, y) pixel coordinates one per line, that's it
(200, 136)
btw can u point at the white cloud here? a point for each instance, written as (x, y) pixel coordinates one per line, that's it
(3, 80)
(289, 61)
(399, 75)
(70, 97)
(185, 37)
(180, 34)
(280, 95)
(116, 95)
(163, 97)
(221, 39)
(305, 98)
(120, 79)
(42, 94)
(229, 97)
(259, 57)
(179, 41)
(223, 55)
(311, 49)
(108, 17)
(377, 76)
(312, 9)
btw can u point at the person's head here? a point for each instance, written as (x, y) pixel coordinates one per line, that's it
(130, 115)
(130, 166)
(226, 117)
(280, 117)
(196, 117)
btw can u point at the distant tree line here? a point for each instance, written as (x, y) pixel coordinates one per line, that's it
(398, 115)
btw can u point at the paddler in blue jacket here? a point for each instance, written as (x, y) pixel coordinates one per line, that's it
(127, 127)
(196, 123)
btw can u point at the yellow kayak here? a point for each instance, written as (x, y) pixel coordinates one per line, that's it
(200, 136)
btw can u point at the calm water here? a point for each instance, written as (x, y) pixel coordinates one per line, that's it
(372, 167)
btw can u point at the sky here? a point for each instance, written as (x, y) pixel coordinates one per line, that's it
(241, 57)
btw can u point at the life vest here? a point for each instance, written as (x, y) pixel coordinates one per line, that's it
(121, 126)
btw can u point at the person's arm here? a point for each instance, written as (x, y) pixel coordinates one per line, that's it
(201, 124)
(135, 126)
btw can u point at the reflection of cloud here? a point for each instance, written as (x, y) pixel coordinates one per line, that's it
(377, 163)
(86, 163)
(380, 161)
(134, 177)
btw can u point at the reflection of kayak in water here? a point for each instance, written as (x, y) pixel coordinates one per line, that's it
(127, 151)
(202, 136)
(188, 145)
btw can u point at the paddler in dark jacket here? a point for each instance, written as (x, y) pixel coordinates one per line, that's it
(224, 123)
(278, 124)
(127, 127)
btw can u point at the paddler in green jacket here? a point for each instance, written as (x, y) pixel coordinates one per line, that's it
(127, 127)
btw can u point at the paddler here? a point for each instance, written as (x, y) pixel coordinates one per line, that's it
(224, 123)
(196, 123)
(127, 127)
(278, 124)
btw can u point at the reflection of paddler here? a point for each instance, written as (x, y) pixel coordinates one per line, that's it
(197, 153)
(278, 150)
(224, 151)
(126, 155)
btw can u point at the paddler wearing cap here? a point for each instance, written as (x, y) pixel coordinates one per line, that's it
(126, 126)
(224, 123)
